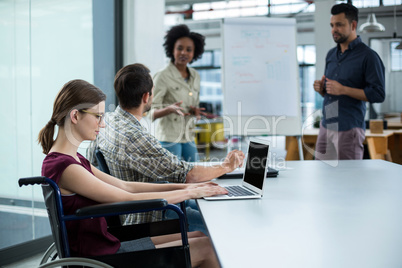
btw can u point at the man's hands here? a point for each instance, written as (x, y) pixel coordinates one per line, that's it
(334, 87)
(319, 85)
(233, 160)
(331, 86)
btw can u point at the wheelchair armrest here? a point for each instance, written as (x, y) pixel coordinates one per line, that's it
(121, 207)
(32, 180)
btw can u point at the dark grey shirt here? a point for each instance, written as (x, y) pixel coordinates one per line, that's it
(358, 67)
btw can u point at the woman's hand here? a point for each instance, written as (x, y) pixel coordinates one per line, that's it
(175, 108)
(201, 184)
(199, 190)
(197, 112)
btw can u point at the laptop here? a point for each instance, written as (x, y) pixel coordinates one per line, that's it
(253, 177)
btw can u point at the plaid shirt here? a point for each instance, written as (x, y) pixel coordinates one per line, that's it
(133, 154)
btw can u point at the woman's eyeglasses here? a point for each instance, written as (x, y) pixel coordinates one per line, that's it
(98, 116)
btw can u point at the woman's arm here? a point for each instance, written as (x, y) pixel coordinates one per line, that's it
(141, 187)
(76, 179)
(173, 108)
(137, 187)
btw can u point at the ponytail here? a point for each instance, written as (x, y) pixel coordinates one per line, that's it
(45, 138)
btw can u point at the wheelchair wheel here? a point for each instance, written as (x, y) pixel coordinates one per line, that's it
(81, 262)
(50, 254)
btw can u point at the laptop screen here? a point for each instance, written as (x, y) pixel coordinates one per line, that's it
(256, 163)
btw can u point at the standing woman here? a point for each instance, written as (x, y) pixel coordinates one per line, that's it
(78, 112)
(177, 93)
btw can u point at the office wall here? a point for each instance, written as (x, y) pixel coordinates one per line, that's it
(143, 32)
(44, 44)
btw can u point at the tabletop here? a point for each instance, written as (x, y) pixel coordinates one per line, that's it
(314, 214)
(395, 122)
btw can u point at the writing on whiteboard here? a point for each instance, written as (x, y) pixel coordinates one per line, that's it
(260, 69)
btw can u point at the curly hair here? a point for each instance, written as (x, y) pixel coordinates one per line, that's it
(179, 31)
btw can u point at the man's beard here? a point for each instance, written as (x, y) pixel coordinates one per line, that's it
(147, 107)
(341, 39)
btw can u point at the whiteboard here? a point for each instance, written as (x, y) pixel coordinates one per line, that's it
(260, 77)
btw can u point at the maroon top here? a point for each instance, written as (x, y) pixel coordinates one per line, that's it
(87, 237)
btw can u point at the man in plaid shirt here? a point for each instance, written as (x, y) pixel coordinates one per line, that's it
(133, 154)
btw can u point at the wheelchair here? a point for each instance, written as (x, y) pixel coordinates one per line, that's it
(58, 255)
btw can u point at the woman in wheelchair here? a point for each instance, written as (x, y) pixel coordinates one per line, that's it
(78, 112)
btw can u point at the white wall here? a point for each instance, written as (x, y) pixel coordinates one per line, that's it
(143, 33)
(322, 32)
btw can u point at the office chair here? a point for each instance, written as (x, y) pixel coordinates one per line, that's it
(165, 257)
(101, 161)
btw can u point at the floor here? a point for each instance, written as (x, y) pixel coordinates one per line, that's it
(277, 155)
(30, 262)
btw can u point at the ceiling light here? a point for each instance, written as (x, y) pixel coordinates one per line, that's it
(371, 25)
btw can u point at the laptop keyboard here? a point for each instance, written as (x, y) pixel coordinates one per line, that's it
(238, 191)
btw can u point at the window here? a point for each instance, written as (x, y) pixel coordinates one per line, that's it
(396, 57)
(306, 59)
(209, 68)
(248, 8)
(230, 9)
(373, 3)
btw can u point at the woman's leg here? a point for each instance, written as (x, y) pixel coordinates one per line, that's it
(189, 152)
(174, 148)
(201, 251)
(157, 240)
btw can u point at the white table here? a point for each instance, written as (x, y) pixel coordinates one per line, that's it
(342, 214)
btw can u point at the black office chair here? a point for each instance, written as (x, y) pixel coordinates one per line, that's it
(101, 161)
(166, 257)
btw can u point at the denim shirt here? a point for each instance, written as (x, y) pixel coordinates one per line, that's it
(358, 67)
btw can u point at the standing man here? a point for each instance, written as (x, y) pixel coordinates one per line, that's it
(354, 75)
(133, 154)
